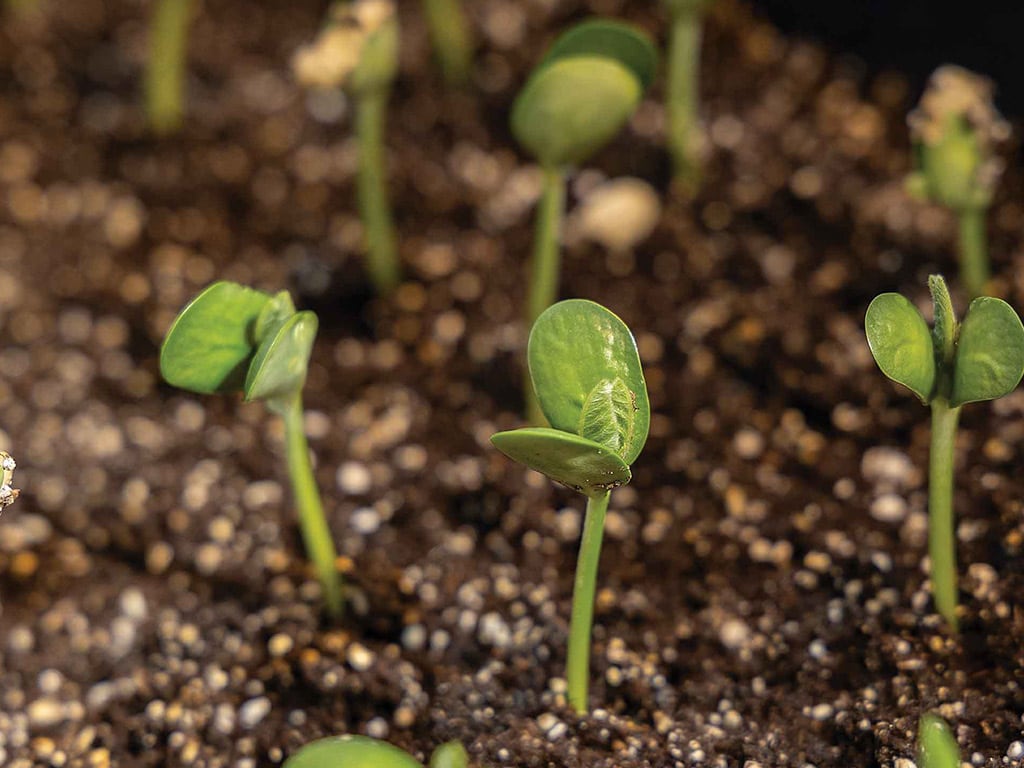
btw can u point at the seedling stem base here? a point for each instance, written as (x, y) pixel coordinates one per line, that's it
(581, 624)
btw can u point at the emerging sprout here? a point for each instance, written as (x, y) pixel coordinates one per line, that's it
(358, 50)
(165, 72)
(449, 32)
(682, 92)
(981, 358)
(936, 744)
(364, 752)
(586, 372)
(235, 339)
(8, 493)
(575, 101)
(955, 130)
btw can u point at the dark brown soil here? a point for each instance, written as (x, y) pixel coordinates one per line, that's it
(762, 596)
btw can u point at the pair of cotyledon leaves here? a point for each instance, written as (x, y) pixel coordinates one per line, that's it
(586, 371)
(231, 338)
(583, 91)
(988, 356)
(363, 752)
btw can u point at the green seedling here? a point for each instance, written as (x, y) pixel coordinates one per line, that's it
(586, 371)
(364, 752)
(682, 92)
(936, 744)
(358, 50)
(981, 358)
(233, 339)
(574, 102)
(165, 70)
(955, 130)
(449, 33)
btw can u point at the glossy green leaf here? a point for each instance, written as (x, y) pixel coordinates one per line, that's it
(936, 745)
(586, 372)
(583, 465)
(279, 366)
(604, 38)
(989, 353)
(570, 108)
(901, 343)
(450, 755)
(351, 752)
(208, 347)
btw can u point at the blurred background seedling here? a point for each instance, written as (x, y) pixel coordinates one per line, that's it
(357, 50)
(955, 363)
(234, 339)
(586, 371)
(575, 101)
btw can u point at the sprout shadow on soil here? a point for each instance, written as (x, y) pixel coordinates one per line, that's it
(230, 339)
(586, 371)
(574, 102)
(955, 363)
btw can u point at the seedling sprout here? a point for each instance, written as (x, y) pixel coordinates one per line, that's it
(936, 744)
(981, 358)
(165, 72)
(586, 371)
(955, 129)
(574, 102)
(231, 338)
(682, 92)
(364, 752)
(449, 33)
(358, 50)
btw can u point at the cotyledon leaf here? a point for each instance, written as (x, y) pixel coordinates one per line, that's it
(989, 353)
(901, 343)
(581, 464)
(574, 346)
(609, 415)
(211, 342)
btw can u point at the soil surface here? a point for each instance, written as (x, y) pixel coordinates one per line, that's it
(762, 598)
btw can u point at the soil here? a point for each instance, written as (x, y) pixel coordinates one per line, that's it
(762, 596)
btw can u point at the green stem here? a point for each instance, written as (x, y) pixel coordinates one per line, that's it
(941, 526)
(682, 95)
(315, 533)
(382, 251)
(578, 661)
(973, 251)
(545, 267)
(165, 73)
(449, 31)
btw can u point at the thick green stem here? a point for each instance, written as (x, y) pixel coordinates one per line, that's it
(315, 533)
(683, 95)
(544, 267)
(578, 661)
(974, 267)
(941, 525)
(449, 32)
(381, 248)
(165, 73)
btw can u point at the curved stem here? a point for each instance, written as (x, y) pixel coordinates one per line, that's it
(544, 267)
(382, 251)
(315, 533)
(578, 659)
(449, 32)
(973, 251)
(941, 525)
(165, 71)
(682, 95)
